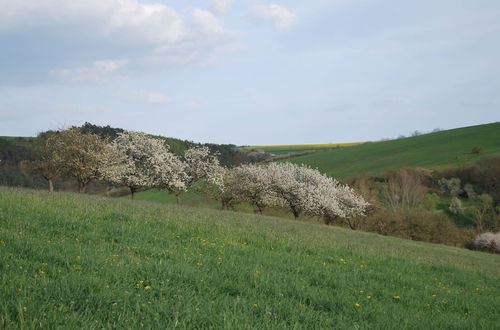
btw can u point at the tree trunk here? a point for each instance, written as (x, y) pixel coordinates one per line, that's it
(50, 185)
(132, 192)
(225, 207)
(178, 197)
(83, 185)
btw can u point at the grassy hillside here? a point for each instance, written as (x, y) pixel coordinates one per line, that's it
(82, 261)
(434, 150)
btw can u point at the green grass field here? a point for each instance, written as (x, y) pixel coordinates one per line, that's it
(71, 261)
(434, 150)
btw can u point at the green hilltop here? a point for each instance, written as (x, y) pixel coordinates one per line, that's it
(434, 150)
(75, 261)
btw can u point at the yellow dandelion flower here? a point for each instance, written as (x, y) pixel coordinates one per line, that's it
(433, 296)
(361, 291)
(258, 272)
(148, 287)
(396, 297)
(357, 305)
(41, 272)
(150, 302)
(368, 297)
(77, 257)
(255, 305)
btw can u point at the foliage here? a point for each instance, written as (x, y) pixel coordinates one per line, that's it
(419, 225)
(488, 241)
(456, 206)
(450, 187)
(484, 175)
(486, 217)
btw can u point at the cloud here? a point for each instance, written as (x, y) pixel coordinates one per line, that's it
(94, 41)
(99, 72)
(147, 97)
(220, 7)
(282, 18)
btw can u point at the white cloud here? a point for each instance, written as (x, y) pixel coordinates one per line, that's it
(281, 17)
(99, 72)
(220, 7)
(133, 37)
(147, 97)
(206, 23)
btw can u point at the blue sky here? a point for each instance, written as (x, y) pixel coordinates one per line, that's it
(250, 71)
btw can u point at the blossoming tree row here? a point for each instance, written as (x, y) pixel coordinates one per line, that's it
(140, 162)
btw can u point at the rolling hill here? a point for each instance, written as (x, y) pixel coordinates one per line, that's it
(75, 261)
(433, 150)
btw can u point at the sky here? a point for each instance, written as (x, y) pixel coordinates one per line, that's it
(250, 72)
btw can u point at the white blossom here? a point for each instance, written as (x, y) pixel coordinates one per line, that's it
(139, 161)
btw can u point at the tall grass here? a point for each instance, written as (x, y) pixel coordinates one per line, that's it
(69, 261)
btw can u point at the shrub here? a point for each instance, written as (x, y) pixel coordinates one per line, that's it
(488, 242)
(456, 206)
(418, 225)
(477, 150)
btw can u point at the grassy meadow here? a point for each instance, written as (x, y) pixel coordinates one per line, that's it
(435, 150)
(74, 261)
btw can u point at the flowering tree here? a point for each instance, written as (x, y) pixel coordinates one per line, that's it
(331, 200)
(255, 187)
(227, 189)
(294, 185)
(140, 162)
(79, 154)
(199, 163)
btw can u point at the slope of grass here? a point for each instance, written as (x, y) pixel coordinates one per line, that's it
(72, 261)
(434, 150)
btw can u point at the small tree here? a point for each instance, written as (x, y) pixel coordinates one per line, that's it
(143, 162)
(49, 164)
(456, 206)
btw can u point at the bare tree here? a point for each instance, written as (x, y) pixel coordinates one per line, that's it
(403, 190)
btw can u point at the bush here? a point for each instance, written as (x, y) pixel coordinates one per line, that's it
(488, 242)
(477, 150)
(418, 225)
(456, 206)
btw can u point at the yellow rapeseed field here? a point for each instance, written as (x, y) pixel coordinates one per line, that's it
(305, 146)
